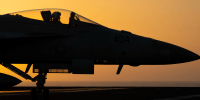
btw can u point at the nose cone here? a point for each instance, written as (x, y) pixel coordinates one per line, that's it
(183, 55)
(166, 53)
(7, 81)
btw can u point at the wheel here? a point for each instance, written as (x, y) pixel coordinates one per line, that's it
(46, 94)
(33, 94)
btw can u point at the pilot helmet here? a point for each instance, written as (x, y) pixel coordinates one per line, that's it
(56, 15)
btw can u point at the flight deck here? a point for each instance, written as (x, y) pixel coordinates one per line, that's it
(107, 93)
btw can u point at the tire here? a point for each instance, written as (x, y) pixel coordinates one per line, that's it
(46, 94)
(33, 94)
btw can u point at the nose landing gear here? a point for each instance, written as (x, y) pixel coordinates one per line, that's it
(40, 90)
(40, 78)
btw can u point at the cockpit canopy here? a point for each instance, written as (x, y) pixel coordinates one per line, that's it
(59, 16)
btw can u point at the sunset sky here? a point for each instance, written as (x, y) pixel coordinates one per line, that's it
(172, 21)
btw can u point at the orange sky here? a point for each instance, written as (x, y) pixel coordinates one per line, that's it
(173, 21)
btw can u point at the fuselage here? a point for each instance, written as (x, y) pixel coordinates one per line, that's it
(25, 40)
(105, 46)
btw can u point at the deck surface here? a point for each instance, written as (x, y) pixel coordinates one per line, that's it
(107, 93)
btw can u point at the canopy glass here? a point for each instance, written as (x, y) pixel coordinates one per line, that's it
(53, 15)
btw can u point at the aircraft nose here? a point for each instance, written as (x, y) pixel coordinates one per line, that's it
(168, 53)
(183, 54)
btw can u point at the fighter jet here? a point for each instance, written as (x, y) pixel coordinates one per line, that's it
(62, 41)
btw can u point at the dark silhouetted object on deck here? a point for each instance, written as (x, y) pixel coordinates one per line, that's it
(7, 81)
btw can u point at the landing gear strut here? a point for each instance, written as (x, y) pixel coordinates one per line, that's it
(40, 78)
(41, 90)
